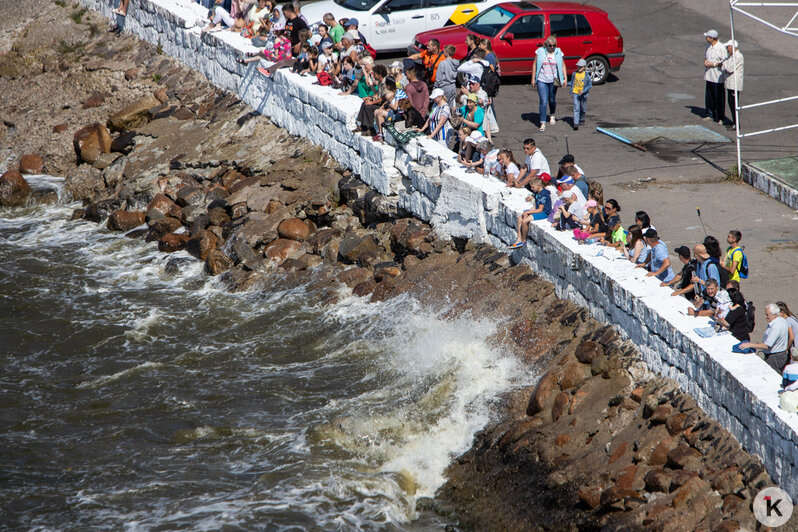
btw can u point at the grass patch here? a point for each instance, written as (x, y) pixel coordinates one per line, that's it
(66, 47)
(60, 3)
(77, 15)
(156, 77)
(159, 48)
(94, 29)
(733, 174)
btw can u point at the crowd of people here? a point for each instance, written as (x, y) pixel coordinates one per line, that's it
(450, 100)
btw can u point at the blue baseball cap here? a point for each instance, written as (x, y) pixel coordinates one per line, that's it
(352, 22)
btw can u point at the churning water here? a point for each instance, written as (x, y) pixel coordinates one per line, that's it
(137, 399)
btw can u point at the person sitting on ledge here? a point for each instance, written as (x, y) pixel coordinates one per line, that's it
(715, 303)
(684, 280)
(658, 262)
(635, 248)
(541, 211)
(279, 53)
(615, 236)
(774, 345)
(220, 18)
(789, 378)
(736, 320)
(571, 213)
(594, 226)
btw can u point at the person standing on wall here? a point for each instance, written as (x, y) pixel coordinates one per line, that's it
(733, 78)
(548, 74)
(713, 93)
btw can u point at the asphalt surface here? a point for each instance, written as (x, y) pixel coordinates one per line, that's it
(661, 84)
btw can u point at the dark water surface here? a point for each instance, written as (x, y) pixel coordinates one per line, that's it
(138, 400)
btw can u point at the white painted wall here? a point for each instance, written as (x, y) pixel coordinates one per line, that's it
(740, 391)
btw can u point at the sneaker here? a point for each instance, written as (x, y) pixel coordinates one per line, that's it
(576, 128)
(542, 127)
(264, 71)
(707, 118)
(552, 120)
(517, 245)
(377, 138)
(720, 122)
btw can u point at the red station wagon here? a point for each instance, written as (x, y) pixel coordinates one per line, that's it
(517, 29)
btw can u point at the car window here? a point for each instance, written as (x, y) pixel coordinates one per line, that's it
(405, 5)
(568, 25)
(528, 27)
(357, 5)
(442, 3)
(490, 22)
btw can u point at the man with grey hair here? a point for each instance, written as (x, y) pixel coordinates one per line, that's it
(733, 78)
(713, 94)
(773, 348)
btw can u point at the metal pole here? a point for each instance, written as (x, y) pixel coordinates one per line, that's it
(736, 94)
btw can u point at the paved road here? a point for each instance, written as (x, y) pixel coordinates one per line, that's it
(661, 83)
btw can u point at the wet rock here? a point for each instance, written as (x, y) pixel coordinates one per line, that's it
(258, 231)
(362, 250)
(282, 248)
(354, 276)
(163, 227)
(311, 260)
(31, 164)
(78, 214)
(121, 220)
(364, 288)
(683, 457)
(189, 195)
(100, 210)
(45, 196)
(172, 242)
(201, 244)
(241, 253)
(383, 270)
(294, 229)
(658, 479)
(134, 115)
(92, 141)
(163, 205)
(175, 265)
(587, 351)
(217, 262)
(137, 233)
(547, 385)
(14, 190)
(293, 265)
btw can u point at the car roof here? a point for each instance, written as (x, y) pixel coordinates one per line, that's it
(523, 6)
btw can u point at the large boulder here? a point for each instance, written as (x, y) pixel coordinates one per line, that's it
(282, 248)
(125, 220)
(294, 229)
(201, 244)
(172, 242)
(363, 250)
(92, 141)
(31, 164)
(14, 190)
(217, 262)
(134, 115)
(164, 205)
(100, 210)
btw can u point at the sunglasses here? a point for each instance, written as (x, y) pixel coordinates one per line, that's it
(551, 46)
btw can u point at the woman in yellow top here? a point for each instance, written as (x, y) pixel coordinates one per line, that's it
(579, 86)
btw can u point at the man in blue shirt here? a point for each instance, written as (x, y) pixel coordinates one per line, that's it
(705, 270)
(658, 262)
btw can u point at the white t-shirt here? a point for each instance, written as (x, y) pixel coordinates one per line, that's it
(538, 162)
(474, 68)
(511, 170)
(548, 69)
(327, 63)
(491, 164)
(580, 198)
(576, 209)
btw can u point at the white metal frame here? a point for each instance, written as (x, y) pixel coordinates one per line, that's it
(791, 28)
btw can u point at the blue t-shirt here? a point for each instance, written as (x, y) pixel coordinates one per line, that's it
(543, 198)
(658, 255)
(705, 271)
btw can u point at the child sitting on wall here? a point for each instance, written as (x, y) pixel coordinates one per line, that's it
(542, 198)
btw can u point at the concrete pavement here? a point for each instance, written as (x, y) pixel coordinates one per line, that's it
(661, 83)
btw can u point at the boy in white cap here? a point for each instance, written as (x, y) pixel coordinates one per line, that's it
(714, 96)
(580, 84)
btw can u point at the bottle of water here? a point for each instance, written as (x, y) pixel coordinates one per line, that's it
(591, 240)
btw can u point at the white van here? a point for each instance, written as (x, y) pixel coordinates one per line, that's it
(390, 25)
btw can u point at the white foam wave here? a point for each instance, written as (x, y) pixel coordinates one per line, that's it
(106, 379)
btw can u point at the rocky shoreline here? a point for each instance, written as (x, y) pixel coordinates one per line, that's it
(157, 153)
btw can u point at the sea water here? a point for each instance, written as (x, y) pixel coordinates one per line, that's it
(137, 399)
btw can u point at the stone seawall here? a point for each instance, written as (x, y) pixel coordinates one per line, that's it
(739, 391)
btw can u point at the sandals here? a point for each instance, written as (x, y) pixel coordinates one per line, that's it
(252, 54)
(240, 61)
(517, 245)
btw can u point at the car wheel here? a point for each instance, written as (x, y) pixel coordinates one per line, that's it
(598, 68)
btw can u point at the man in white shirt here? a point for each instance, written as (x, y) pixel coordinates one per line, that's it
(714, 100)
(733, 77)
(535, 165)
(774, 345)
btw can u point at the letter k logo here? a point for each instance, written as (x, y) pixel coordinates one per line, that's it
(772, 506)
